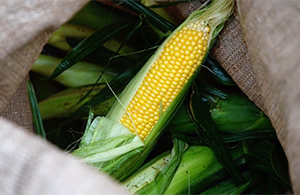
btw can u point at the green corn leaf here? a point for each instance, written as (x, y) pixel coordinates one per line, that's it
(67, 101)
(267, 134)
(103, 55)
(157, 182)
(217, 72)
(199, 169)
(90, 44)
(280, 166)
(82, 73)
(210, 92)
(211, 134)
(96, 15)
(192, 140)
(36, 116)
(229, 186)
(117, 84)
(154, 18)
(105, 146)
(238, 113)
(136, 27)
(167, 4)
(50, 50)
(264, 156)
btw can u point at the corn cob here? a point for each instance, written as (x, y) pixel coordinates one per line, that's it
(150, 99)
(166, 74)
(177, 62)
(197, 169)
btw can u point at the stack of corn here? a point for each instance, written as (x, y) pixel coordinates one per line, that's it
(120, 142)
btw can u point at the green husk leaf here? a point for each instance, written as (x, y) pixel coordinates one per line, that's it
(81, 73)
(234, 114)
(111, 150)
(211, 134)
(262, 153)
(268, 134)
(154, 18)
(101, 146)
(211, 93)
(117, 84)
(58, 37)
(151, 178)
(97, 15)
(199, 169)
(136, 27)
(279, 165)
(217, 72)
(244, 114)
(67, 101)
(167, 4)
(89, 45)
(228, 186)
(36, 116)
(103, 55)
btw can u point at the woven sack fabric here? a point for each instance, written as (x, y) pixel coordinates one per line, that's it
(18, 109)
(28, 164)
(271, 33)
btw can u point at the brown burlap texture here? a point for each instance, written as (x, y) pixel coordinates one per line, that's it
(267, 73)
(29, 165)
(18, 110)
(271, 32)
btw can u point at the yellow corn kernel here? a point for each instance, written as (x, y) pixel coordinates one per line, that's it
(177, 62)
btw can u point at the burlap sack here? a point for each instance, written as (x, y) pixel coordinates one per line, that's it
(260, 55)
(29, 165)
(271, 32)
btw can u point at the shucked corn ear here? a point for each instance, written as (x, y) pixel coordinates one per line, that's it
(169, 71)
(166, 76)
(150, 99)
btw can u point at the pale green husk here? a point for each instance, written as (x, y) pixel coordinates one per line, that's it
(111, 142)
(151, 178)
(196, 169)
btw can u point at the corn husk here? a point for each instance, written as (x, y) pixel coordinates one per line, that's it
(215, 14)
